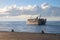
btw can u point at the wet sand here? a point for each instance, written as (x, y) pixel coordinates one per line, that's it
(28, 36)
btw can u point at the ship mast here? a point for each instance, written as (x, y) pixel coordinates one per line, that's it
(39, 16)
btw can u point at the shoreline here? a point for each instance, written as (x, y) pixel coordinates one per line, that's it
(28, 36)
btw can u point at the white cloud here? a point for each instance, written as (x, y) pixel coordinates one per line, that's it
(15, 12)
(53, 18)
(29, 7)
(16, 18)
(45, 5)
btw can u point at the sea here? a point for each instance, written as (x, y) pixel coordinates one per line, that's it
(21, 26)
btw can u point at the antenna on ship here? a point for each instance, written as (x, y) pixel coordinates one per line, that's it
(39, 16)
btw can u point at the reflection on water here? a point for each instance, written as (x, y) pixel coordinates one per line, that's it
(21, 26)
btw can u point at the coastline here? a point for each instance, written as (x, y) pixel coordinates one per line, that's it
(28, 36)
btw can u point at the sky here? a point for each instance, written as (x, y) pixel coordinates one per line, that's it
(12, 9)
(28, 2)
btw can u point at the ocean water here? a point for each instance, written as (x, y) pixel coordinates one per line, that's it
(21, 26)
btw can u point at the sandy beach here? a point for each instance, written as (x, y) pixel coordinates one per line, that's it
(28, 36)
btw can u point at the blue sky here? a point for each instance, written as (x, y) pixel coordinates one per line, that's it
(28, 2)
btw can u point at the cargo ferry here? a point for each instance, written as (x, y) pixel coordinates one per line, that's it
(36, 21)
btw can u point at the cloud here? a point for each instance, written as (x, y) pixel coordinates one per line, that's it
(45, 5)
(17, 18)
(14, 10)
(45, 10)
(29, 7)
